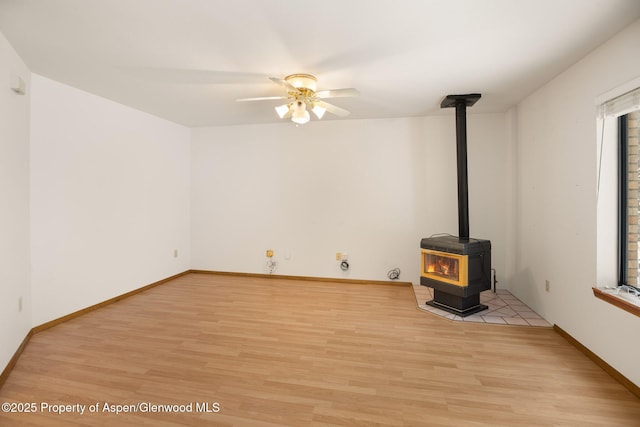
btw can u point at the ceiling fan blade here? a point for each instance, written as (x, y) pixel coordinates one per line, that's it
(337, 93)
(341, 112)
(284, 83)
(262, 98)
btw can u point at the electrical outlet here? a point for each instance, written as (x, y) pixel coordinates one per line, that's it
(547, 286)
(338, 256)
(345, 257)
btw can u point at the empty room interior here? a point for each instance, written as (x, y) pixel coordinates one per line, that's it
(269, 213)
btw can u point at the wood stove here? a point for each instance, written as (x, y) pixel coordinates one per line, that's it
(457, 271)
(457, 268)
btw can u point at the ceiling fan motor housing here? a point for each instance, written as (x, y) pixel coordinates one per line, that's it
(303, 81)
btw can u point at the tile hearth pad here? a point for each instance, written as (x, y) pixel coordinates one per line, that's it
(503, 309)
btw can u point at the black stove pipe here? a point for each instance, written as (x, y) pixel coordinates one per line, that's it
(463, 180)
(461, 102)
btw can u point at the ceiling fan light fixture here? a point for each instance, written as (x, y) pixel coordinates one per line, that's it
(282, 110)
(318, 111)
(299, 105)
(300, 116)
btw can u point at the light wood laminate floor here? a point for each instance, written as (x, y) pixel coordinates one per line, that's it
(277, 352)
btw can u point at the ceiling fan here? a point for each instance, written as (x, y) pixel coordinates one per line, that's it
(302, 95)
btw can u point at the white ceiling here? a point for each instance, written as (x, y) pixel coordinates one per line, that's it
(188, 60)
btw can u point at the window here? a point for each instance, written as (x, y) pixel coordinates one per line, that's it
(618, 200)
(628, 198)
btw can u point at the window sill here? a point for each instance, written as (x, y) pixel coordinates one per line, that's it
(617, 301)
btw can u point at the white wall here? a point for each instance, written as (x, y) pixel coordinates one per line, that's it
(556, 204)
(14, 205)
(371, 188)
(109, 199)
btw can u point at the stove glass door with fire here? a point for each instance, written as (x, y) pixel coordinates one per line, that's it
(445, 267)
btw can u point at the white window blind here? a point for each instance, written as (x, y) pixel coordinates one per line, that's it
(620, 105)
